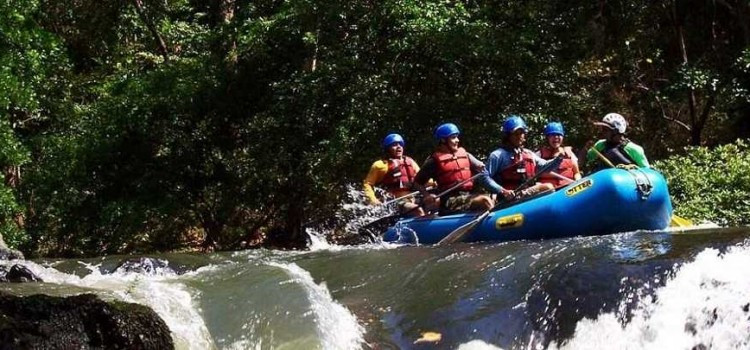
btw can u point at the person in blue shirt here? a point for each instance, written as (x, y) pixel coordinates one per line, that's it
(512, 164)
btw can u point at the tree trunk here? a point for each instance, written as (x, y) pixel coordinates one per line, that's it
(697, 129)
(152, 28)
(12, 176)
(223, 11)
(213, 231)
(295, 216)
(695, 132)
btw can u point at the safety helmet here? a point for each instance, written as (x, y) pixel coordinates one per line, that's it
(614, 121)
(554, 128)
(513, 123)
(446, 130)
(391, 139)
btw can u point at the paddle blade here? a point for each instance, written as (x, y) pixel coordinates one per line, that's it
(458, 234)
(677, 221)
(375, 228)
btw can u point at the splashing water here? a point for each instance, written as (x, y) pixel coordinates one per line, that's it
(705, 305)
(356, 212)
(477, 345)
(318, 241)
(337, 327)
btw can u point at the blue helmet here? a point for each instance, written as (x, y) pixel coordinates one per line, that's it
(446, 130)
(391, 139)
(513, 123)
(554, 128)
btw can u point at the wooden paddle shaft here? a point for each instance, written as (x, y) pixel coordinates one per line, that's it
(602, 157)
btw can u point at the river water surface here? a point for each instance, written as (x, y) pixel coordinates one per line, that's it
(637, 290)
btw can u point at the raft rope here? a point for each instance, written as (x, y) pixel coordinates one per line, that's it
(642, 183)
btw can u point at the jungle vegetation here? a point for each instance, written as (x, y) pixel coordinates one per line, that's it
(150, 125)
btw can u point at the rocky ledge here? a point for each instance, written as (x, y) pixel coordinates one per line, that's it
(79, 322)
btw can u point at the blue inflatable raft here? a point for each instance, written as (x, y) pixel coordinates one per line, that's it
(609, 201)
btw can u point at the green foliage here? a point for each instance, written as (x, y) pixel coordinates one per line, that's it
(12, 154)
(711, 184)
(12, 234)
(140, 125)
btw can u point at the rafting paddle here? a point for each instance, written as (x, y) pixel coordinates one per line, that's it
(457, 185)
(381, 224)
(458, 234)
(562, 177)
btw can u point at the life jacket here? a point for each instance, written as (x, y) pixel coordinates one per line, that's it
(566, 168)
(522, 167)
(453, 168)
(400, 174)
(616, 154)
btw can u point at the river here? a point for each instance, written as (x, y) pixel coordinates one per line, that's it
(637, 290)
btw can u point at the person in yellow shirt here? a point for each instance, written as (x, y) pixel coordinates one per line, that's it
(394, 173)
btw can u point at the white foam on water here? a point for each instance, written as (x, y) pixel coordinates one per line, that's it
(336, 326)
(478, 345)
(319, 243)
(161, 291)
(704, 304)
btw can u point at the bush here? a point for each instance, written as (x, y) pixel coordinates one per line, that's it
(711, 184)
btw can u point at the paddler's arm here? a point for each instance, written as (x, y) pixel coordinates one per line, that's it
(484, 180)
(636, 153)
(424, 176)
(430, 182)
(495, 164)
(538, 161)
(374, 177)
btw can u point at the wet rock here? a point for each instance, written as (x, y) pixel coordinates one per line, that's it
(144, 265)
(7, 253)
(18, 274)
(10, 254)
(79, 322)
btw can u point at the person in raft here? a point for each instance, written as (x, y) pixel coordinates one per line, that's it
(395, 173)
(455, 171)
(615, 146)
(512, 164)
(568, 171)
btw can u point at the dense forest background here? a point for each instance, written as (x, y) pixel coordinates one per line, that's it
(145, 125)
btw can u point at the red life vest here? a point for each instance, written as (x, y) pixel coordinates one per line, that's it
(521, 168)
(453, 168)
(567, 167)
(400, 174)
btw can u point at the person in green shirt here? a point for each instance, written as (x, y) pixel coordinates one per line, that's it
(615, 146)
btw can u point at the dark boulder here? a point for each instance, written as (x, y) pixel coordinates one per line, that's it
(18, 274)
(79, 322)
